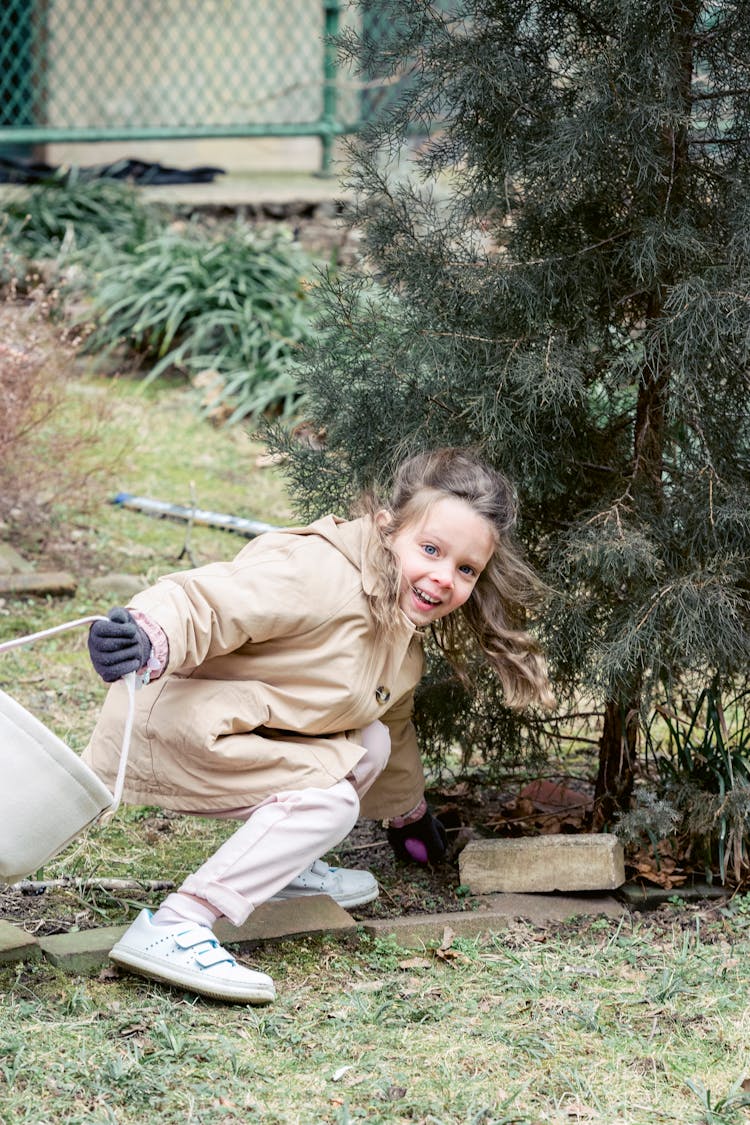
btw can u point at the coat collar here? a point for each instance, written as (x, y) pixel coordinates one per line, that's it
(353, 538)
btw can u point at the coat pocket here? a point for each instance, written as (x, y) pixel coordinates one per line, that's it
(193, 718)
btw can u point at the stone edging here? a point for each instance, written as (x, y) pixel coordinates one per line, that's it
(86, 951)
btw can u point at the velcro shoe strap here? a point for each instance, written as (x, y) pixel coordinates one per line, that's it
(211, 952)
(214, 955)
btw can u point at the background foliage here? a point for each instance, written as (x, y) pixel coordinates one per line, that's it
(556, 225)
(229, 306)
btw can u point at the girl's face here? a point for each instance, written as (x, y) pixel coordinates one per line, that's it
(442, 555)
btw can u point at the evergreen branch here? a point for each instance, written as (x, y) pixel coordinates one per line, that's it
(584, 18)
(597, 468)
(574, 253)
(466, 336)
(713, 141)
(614, 509)
(710, 95)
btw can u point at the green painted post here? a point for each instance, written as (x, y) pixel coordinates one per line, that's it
(15, 70)
(332, 13)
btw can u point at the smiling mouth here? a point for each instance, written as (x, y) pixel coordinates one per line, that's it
(426, 599)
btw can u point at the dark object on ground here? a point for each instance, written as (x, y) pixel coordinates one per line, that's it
(424, 841)
(17, 170)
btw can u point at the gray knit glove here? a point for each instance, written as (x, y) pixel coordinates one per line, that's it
(118, 646)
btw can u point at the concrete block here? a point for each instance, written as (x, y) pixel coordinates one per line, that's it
(649, 898)
(542, 909)
(311, 914)
(40, 582)
(415, 931)
(121, 586)
(17, 945)
(543, 863)
(11, 562)
(81, 951)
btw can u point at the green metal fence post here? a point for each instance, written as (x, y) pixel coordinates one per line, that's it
(332, 13)
(15, 66)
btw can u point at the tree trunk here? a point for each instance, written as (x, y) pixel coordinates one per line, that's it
(617, 762)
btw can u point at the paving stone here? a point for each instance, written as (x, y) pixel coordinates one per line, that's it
(313, 914)
(17, 945)
(496, 911)
(648, 898)
(13, 563)
(553, 908)
(81, 951)
(535, 864)
(51, 582)
(122, 586)
(87, 950)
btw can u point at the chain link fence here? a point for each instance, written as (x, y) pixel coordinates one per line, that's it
(95, 70)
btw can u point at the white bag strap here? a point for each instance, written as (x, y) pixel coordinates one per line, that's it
(129, 679)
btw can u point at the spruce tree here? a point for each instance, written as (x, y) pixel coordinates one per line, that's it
(555, 210)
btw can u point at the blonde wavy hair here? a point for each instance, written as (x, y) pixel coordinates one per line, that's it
(495, 615)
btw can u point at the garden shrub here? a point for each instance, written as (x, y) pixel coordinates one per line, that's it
(228, 307)
(236, 305)
(557, 200)
(43, 455)
(65, 216)
(697, 787)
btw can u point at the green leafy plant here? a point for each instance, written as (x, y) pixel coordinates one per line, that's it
(726, 1110)
(235, 307)
(700, 755)
(69, 214)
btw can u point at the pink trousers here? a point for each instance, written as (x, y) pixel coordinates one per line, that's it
(284, 835)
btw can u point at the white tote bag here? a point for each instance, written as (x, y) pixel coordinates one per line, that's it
(48, 796)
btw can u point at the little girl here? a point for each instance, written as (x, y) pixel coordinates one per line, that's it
(278, 691)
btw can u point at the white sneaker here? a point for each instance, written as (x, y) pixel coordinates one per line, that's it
(346, 886)
(189, 956)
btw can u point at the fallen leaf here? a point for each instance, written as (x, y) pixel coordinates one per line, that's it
(339, 1074)
(554, 796)
(579, 1111)
(448, 936)
(368, 986)
(451, 955)
(415, 963)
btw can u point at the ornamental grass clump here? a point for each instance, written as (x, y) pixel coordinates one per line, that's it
(71, 218)
(697, 757)
(237, 306)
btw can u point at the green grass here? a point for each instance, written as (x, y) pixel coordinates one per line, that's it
(623, 1023)
(608, 1022)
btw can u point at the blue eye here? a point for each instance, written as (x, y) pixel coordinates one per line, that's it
(429, 549)
(467, 570)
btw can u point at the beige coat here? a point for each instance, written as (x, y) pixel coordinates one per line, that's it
(274, 665)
